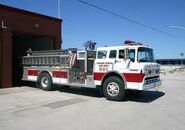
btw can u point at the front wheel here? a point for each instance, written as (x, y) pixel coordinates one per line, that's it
(114, 88)
(45, 81)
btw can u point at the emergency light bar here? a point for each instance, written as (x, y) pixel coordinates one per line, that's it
(132, 43)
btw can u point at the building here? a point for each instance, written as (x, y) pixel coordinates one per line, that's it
(171, 61)
(19, 31)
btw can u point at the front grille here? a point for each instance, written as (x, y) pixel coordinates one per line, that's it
(153, 79)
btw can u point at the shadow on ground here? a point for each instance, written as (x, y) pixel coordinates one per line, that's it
(81, 91)
(144, 97)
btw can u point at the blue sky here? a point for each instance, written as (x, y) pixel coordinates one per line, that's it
(82, 23)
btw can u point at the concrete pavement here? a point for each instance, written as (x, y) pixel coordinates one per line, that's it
(28, 108)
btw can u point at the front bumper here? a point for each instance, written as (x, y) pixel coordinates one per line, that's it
(147, 86)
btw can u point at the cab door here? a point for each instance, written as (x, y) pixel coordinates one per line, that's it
(126, 61)
(133, 65)
(120, 63)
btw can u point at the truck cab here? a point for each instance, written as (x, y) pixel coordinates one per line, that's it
(132, 65)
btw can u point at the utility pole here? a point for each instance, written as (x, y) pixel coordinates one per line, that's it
(58, 8)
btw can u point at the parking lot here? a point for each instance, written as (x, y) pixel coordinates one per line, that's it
(28, 108)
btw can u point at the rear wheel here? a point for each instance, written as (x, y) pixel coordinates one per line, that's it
(114, 89)
(45, 81)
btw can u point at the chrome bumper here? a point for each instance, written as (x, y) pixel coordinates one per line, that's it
(152, 85)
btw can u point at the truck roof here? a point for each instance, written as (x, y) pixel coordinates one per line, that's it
(121, 47)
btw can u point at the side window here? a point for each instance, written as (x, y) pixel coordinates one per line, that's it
(132, 55)
(102, 54)
(121, 54)
(113, 54)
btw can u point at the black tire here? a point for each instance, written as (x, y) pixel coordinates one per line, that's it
(117, 92)
(45, 81)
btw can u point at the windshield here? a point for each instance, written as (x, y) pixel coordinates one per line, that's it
(145, 55)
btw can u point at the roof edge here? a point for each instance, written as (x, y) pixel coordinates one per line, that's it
(22, 11)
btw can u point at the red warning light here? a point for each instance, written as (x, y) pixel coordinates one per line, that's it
(132, 43)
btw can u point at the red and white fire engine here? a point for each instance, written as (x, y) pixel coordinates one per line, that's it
(114, 69)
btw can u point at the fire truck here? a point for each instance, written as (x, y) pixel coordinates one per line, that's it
(114, 69)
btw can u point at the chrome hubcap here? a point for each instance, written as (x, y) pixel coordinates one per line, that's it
(113, 89)
(44, 82)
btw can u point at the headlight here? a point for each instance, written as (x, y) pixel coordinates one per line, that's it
(157, 71)
(145, 72)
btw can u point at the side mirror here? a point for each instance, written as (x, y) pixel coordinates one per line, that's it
(126, 53)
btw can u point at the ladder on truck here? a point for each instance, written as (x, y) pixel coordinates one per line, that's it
(48, 58)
